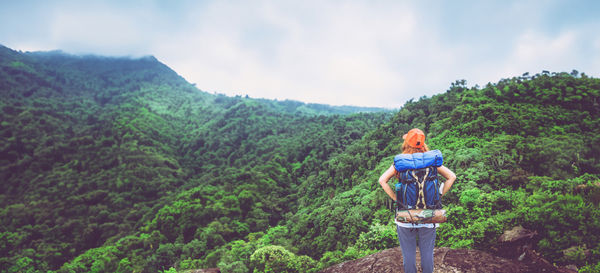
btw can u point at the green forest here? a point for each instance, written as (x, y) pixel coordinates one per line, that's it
(120, 165)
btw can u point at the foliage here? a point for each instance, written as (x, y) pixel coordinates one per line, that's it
(278, 259)
(379, 237)
(120, 165)
(112, 152)
(590, 268)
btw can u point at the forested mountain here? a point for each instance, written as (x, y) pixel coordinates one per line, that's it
(120, 165)
(96, 149)
(526, 151)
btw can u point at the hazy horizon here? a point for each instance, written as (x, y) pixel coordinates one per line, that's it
(358, 53)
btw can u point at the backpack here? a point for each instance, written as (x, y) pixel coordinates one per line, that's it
(418, 186)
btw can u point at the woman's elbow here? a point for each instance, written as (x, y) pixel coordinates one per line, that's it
(451, 178)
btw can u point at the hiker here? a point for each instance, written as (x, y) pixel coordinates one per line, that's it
(414, 142)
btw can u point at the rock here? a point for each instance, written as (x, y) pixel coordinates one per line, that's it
(516, 234)
(447, 261)
(515, 243)
(575, 250)
(572, 267)
(586, 187)
(387, 261)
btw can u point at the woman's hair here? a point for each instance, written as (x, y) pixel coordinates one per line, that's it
(407, 149)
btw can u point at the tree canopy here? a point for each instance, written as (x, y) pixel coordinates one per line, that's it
(120, 165)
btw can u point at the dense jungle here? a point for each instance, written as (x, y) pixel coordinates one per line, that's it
(120, 165)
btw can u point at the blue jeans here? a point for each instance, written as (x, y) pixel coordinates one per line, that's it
(408, 243)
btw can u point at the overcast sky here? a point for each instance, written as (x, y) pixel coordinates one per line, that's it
(364, 53)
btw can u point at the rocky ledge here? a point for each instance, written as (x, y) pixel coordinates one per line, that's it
(449, 260)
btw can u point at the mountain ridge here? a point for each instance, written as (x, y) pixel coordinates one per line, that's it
(93, 147)
(123, 166)
(291, 106)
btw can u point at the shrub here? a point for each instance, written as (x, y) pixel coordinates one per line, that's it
(278, 259)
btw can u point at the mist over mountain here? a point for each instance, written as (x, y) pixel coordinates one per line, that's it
(120, 165)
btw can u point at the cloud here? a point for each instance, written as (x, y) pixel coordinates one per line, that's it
(348, 54)
(370, 53)
(533, 49)
(98, 30)
(334, 57)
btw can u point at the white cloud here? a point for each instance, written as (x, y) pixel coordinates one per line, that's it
(534, 52)
(101, 29)
(372, 53)
(336, 57)
(535, 48)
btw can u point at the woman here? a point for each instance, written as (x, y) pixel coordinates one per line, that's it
(414, 142)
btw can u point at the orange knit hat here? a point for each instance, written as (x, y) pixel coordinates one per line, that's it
(415, 138)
